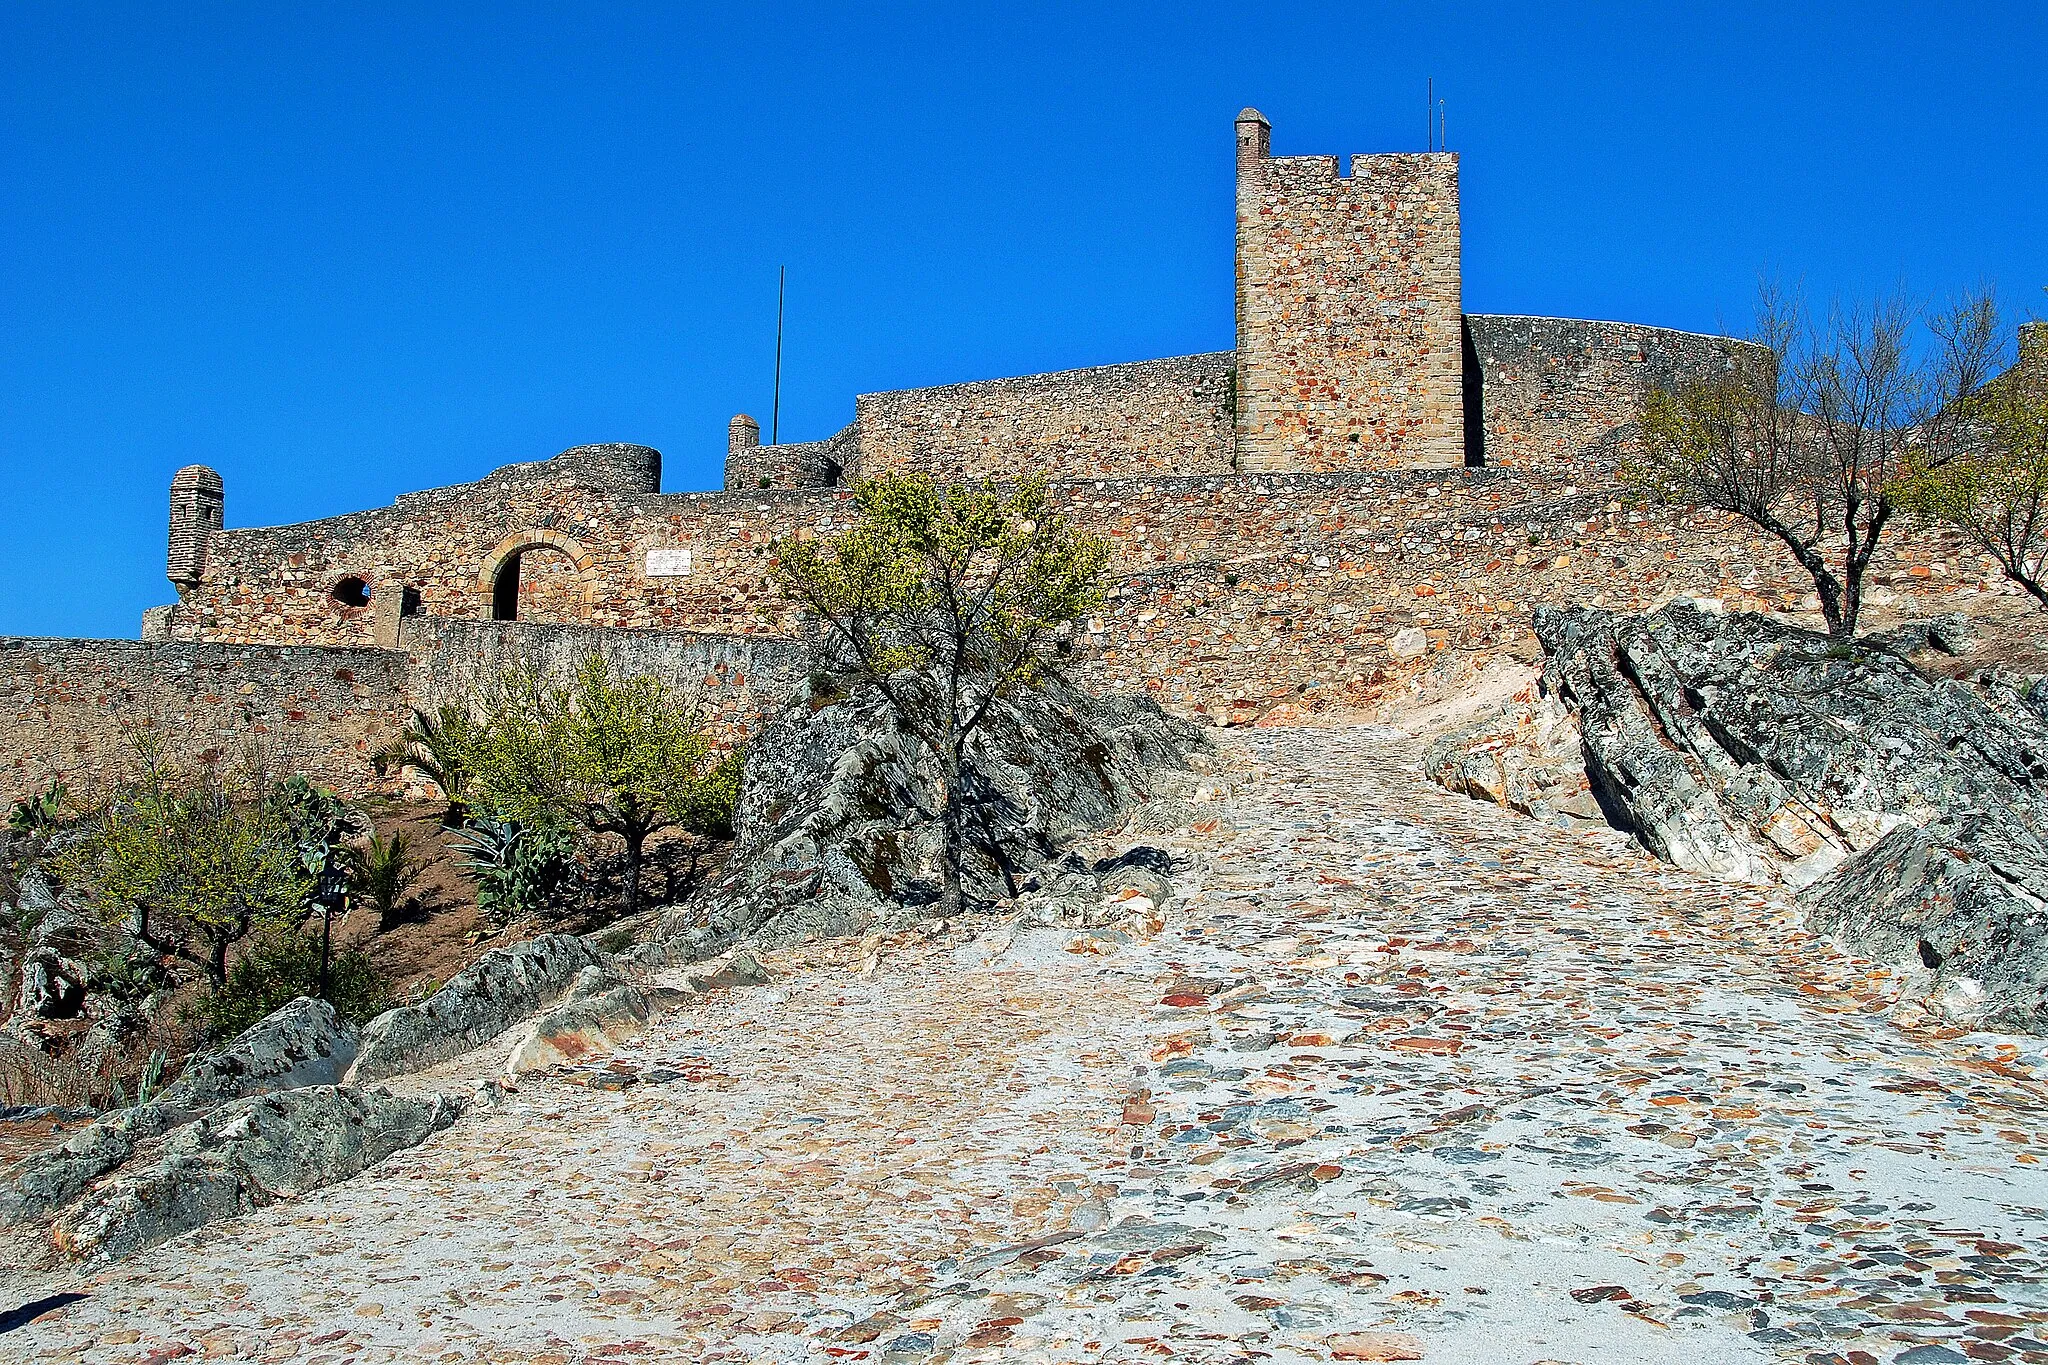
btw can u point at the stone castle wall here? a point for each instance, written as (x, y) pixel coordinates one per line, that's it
(1112, 421)
(1476, 539)
(71, 708)
(1548, 392)
(1349, 349)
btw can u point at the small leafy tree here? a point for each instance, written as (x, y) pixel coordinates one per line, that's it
(381, 871)
(945, 600)
(1993, 487)
(319, 824)
(193, 868)
(615, 755)
(1809, 429)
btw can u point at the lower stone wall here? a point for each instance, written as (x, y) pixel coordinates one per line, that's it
(734, 680)
(1303, 587)
(70, 709)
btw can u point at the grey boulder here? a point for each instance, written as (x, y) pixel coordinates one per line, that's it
(504, 987)
(1957, 905)
(244, 1155)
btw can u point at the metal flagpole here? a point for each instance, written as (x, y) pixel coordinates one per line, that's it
(775, 415)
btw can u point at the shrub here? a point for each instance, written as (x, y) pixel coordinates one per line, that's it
(381, 872)
(618, 755)
(276, 968)
(707, 809)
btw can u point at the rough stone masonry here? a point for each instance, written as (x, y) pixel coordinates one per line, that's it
(1370, 461)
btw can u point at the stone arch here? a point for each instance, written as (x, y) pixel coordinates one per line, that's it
(498, 583)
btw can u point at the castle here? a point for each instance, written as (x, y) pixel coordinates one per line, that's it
(1372, 475)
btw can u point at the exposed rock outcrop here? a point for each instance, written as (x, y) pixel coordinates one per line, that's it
(504, 987)
(1912, 809)
(301, 1044)
(838, 825)
(1749, 749)
(244, 1155)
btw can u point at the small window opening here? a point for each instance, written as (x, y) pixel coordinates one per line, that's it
(351, 592)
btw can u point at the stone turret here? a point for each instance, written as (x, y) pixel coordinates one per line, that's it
(2034, 349)
(197, 505)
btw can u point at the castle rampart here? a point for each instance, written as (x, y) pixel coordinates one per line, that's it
(1547, 392)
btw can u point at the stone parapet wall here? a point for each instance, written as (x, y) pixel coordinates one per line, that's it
(1560, 394)
(1113, 421)
(68, 709)
(735, 681)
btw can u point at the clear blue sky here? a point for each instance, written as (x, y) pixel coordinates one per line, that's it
(345, 251)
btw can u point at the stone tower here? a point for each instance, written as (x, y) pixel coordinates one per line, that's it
(1349, 315)
(197, 504)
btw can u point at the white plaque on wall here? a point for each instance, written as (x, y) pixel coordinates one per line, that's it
(673, 562)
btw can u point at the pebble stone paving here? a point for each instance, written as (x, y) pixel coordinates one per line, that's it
(1402, 1077)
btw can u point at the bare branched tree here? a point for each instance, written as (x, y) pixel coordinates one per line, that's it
(1988, 479)
(1812, 425)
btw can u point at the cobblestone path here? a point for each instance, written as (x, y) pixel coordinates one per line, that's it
(1403, 1077)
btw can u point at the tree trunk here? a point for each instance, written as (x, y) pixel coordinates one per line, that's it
(635, 839)
(217, 964)
(952, 899)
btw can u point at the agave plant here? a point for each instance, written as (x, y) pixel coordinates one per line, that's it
(39, 814)
(516, 866)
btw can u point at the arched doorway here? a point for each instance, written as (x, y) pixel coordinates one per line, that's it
(538, 576)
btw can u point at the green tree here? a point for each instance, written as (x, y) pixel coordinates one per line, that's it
(944, 600)
(1810, 427)
(1994, 487)
(615, 755)
(194, 868)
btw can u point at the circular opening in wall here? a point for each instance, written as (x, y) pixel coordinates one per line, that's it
(351, 592)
